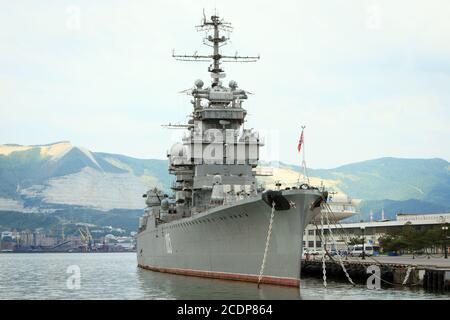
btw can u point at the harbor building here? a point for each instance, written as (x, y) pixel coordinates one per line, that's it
(26, 238)
(372, 231)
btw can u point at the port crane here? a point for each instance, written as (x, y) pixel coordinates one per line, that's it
(86, 238)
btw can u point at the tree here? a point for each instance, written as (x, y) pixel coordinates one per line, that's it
(354, 241)
(411, 239)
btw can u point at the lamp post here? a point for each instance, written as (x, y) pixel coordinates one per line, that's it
(444, 230)
(364, 242)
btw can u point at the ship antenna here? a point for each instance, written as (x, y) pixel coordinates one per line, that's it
(215, 40)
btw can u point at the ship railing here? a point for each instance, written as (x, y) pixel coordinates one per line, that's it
(342, 208)
(284, 185)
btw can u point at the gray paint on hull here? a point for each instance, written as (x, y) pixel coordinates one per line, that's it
(232, 245)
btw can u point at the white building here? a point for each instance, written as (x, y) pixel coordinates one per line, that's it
(6, 235)
(372, 230)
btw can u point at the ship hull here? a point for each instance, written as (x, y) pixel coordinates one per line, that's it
(228, 242)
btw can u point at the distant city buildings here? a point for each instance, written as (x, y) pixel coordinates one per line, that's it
(6, 241)
(38, 240)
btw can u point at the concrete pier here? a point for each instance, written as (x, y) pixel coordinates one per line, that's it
(431, 273)
(436, 280)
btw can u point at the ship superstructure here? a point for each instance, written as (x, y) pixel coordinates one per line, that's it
(216, 224)
(214, 162)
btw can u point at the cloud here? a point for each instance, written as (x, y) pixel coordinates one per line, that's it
(368, 78)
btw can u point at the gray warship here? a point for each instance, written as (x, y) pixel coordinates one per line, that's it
(220, 222)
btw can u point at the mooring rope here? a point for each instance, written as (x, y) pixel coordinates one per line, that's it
(407, 275)
(338, 255)
(410, 267)
(269, 233)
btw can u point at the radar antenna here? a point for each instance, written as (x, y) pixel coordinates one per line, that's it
(215, 41)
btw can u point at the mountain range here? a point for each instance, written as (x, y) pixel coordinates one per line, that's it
(58, 178)
(393, 184)
(53, 176)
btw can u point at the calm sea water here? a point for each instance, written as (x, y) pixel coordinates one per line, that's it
(115, 276)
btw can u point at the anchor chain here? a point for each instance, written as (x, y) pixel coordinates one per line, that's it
(269, 233)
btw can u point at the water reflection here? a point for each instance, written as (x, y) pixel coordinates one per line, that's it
(116, 276)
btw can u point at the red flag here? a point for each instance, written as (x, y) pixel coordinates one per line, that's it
(300, 142)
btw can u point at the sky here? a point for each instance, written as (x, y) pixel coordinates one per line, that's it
(367, 78)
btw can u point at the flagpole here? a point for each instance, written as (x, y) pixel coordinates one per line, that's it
(305, 174)
(303, 163)
(300, 169)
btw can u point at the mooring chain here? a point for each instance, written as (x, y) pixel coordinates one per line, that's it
(269, 233)
(324, 267)
(335, 243)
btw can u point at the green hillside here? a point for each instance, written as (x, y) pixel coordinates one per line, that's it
(395, 184)
(392, 207)
(69, 218)
(394, 179)
(19, 168)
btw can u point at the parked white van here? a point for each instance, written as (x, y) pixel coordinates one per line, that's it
(358, 250)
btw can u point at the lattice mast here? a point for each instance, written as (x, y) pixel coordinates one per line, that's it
(215, 40)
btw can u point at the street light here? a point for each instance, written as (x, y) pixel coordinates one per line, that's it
(364, 243)
(444, 229)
